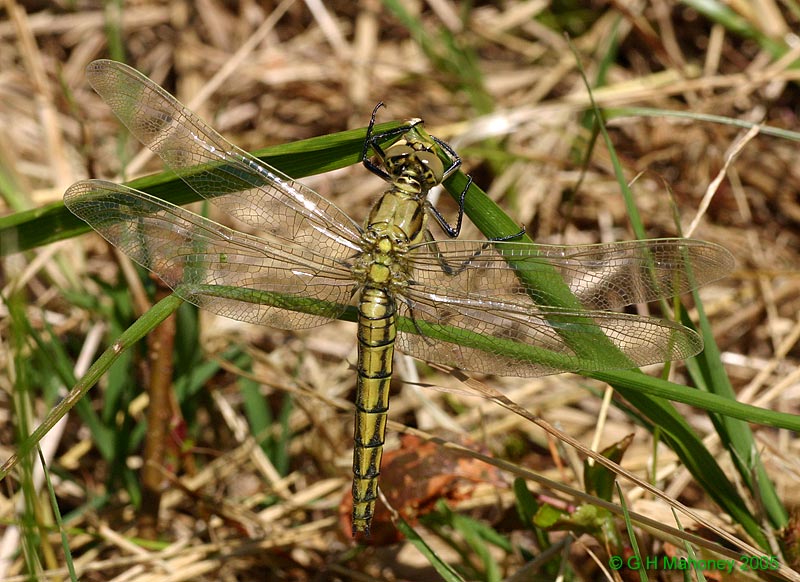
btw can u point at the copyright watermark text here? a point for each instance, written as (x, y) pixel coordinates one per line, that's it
(744, 563)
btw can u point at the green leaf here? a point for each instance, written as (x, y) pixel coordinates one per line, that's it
(598, 480)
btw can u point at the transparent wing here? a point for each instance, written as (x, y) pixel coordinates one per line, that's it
(518, 339)
(214, 267)
(232, 179)
(493, 303)
(601, 277)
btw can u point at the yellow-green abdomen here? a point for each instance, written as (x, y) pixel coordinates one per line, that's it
(376, 333)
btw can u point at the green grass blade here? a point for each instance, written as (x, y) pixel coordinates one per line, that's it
(59, 522)
(141, 327)
(680, 437)
(21, 376)
(708, 373)
(735, 434)
(631, 533)
(449, 55)
(723, 14)
(625, 379)
(779, 132)
(442, 568)
(41, 226)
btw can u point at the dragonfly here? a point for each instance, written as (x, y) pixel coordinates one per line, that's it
(486, 306)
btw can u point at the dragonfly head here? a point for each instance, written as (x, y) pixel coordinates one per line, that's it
(414, 160)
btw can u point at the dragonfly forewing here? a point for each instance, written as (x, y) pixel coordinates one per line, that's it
(235, 181)
(601, 277)
(201, 259)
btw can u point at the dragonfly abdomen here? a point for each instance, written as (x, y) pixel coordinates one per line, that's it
(376, 334)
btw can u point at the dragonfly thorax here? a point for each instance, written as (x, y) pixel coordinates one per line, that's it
(399, 217)
(383, 263)
(395, 222)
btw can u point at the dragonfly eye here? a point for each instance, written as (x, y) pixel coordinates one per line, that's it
(397, 157)
(399, 150)
(434, 165)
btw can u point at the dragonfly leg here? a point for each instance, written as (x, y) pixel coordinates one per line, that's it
(453, 231)
(375, 169)
(447, 268)
(456, 159)
(519, 233)
(372, 141)
(410, 304)
(455, 164)
(453, 270)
